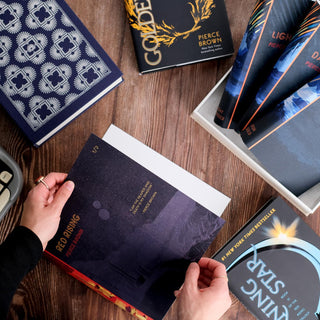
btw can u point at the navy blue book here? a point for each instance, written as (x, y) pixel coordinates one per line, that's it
(273, 265)
(51, 67)
(127, 233)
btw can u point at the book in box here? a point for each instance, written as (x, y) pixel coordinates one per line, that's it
(285, 139)
(271, 26)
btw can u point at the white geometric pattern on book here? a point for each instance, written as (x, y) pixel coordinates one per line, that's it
(43, 53)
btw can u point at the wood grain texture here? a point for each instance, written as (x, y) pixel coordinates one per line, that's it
(155, 108)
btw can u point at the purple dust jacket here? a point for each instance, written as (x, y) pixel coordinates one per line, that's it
(135, 234)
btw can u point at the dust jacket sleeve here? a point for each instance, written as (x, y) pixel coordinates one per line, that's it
(282, 113)
(127, 233)
(298, 65)
(52, 68)
(270, 28)
(273, 265)
(285, 140)
(169, 33)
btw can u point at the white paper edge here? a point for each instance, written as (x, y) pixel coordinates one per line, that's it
(179, 178)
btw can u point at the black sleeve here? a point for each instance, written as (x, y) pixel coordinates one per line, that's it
(19, 253)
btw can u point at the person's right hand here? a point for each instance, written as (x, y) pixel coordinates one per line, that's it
(42, 208)
(205, 293)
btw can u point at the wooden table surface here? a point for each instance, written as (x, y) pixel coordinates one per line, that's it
(155, 108)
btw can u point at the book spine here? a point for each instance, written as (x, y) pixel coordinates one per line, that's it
(144, 34)
(270, 28)
(299, 63)
(96, 287)
(282, 113)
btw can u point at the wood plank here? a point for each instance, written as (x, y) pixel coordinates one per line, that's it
(155, 108)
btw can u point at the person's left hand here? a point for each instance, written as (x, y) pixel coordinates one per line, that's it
(205, 293)
(42, 208)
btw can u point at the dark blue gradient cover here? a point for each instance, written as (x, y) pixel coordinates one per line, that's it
(299, 64)
(271, 26)
(285, 140)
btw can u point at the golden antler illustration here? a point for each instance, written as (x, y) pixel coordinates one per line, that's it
(201, 10)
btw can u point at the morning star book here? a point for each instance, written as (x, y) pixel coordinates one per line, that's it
(271, 26)
(127, 232)
(273, 265)
(171, 33)
(51, 67)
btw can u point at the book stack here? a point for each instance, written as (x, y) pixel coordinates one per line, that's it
(272, 92)
(264, 108)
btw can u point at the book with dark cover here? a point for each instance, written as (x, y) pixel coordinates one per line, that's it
(271, 26)
(282, 113)
(273, 265)
(170, 33)
(127, 233)
(52, 68)
(285, 140)
(299, 64)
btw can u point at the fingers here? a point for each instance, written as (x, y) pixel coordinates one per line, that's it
(177, 293)
(211, 272)
(204, 280)
(54, 178)
(217, 268)
(191, 278)
(47, 186)
(62, 196)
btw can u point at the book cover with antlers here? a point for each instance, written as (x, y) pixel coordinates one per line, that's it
(171, 33)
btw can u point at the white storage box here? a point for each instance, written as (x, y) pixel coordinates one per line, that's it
(204, 114)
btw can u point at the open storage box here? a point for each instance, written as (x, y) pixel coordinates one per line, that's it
(204, 114)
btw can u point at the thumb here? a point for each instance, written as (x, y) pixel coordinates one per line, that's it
(192, 276)
(62, 195)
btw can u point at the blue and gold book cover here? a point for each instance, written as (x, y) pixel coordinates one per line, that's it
(129, 231)
(299, 64)
(286, 140)
(273, 265)
(52, 69)
(169, 33)
(282, 113)
(271, 26)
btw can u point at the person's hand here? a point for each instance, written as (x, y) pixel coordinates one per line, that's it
(43, 206)
(205, 293)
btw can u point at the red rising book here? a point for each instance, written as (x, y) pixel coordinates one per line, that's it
(129, 234)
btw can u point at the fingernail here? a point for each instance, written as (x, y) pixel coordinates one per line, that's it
(177, 293)
(69, 185)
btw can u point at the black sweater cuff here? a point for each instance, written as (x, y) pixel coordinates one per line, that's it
(19, 253)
